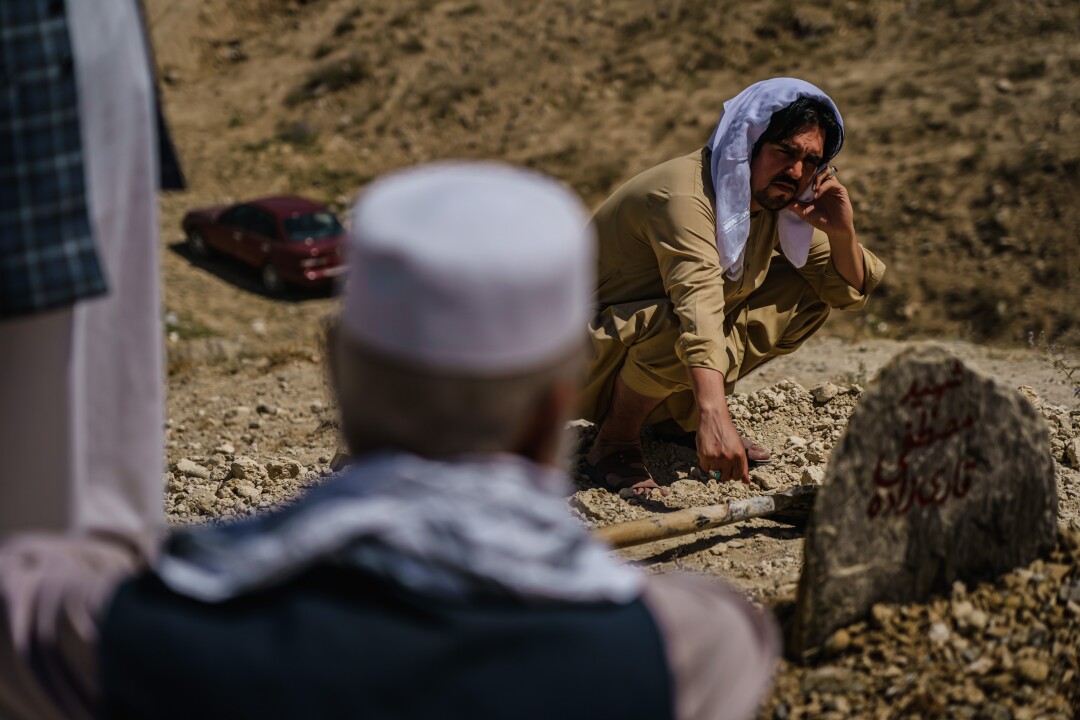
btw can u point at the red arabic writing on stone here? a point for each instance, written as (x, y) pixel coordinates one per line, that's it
(897, 492)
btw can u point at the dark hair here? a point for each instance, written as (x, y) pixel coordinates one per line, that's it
(799, 115)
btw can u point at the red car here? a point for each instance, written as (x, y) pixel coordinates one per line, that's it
(292, 241)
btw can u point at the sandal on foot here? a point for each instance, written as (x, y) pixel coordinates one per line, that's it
(617, 463)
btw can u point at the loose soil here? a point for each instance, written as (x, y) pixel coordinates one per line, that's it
(246, 434)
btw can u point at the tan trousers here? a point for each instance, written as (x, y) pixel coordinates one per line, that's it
(636, 341)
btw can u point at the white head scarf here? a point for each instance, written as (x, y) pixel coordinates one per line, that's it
(745, 118)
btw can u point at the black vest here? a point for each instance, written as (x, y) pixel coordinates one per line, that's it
(340, 644)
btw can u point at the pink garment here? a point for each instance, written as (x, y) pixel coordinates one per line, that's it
(81, 421)
(53, 594)
(721, 650)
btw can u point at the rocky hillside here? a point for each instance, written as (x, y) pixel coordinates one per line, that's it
(963, 117)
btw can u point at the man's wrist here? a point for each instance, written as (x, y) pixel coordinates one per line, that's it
(845, 236)
(714, 414)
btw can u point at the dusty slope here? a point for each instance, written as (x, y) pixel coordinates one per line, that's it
(963, 116)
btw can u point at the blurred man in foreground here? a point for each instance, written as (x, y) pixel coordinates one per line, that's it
(440, 575)
(710, 265)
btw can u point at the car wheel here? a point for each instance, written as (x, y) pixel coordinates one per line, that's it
(197, 244)
(272, 281)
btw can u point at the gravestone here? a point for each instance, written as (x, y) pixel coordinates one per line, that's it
(942, 475)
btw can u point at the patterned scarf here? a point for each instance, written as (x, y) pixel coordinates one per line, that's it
(494, 526)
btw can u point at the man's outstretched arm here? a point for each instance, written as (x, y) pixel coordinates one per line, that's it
(718, 443)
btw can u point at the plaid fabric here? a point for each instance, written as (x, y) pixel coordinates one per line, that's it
(48, 258)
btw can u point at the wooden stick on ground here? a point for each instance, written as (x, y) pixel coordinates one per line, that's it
(791, 506)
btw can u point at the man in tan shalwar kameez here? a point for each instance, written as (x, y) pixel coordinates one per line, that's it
(688, 304)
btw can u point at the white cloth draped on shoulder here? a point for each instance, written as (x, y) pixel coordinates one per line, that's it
(746, 116)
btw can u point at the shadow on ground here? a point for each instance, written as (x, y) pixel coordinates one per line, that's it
(247, 278)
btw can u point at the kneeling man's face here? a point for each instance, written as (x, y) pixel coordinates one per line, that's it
(782, 170)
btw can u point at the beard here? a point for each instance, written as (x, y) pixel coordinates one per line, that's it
(776, 197)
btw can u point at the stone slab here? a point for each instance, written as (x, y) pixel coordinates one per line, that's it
(943, 474)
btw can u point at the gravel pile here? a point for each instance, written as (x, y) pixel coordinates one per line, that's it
(800, 426)
(1007, 650)
(999, 651)
(224, 485)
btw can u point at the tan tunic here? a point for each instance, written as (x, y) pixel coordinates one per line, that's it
(661, 285)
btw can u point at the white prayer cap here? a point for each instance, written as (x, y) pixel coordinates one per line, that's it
(476, 267)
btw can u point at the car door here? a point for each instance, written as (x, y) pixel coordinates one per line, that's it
(259, 240)
(230, 231)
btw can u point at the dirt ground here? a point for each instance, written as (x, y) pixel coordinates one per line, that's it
(248, 433)
(963, 159)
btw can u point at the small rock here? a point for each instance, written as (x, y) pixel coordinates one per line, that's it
(812, 475)
(188, 468)
(1032, 670)
(236, 415)
(244, 468)
(796, 441)
(1004, 85)
(1072, 452)
(204, 500)
(824, 393)
(685, 487)
(828, 679)
(225, 448)
(838, 642)
(838, 704)
(815, 452)
(978, 619)
(1029, 393)
(939, 633)
(882, 614)
(248, 489)
(773, 400)
(281, 469)
(765, 482)
(1058, 571)
(1070, 592)
(967, 615)
(592, 503)
(264, 409)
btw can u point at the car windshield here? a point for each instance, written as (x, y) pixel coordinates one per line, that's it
(312, 225)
